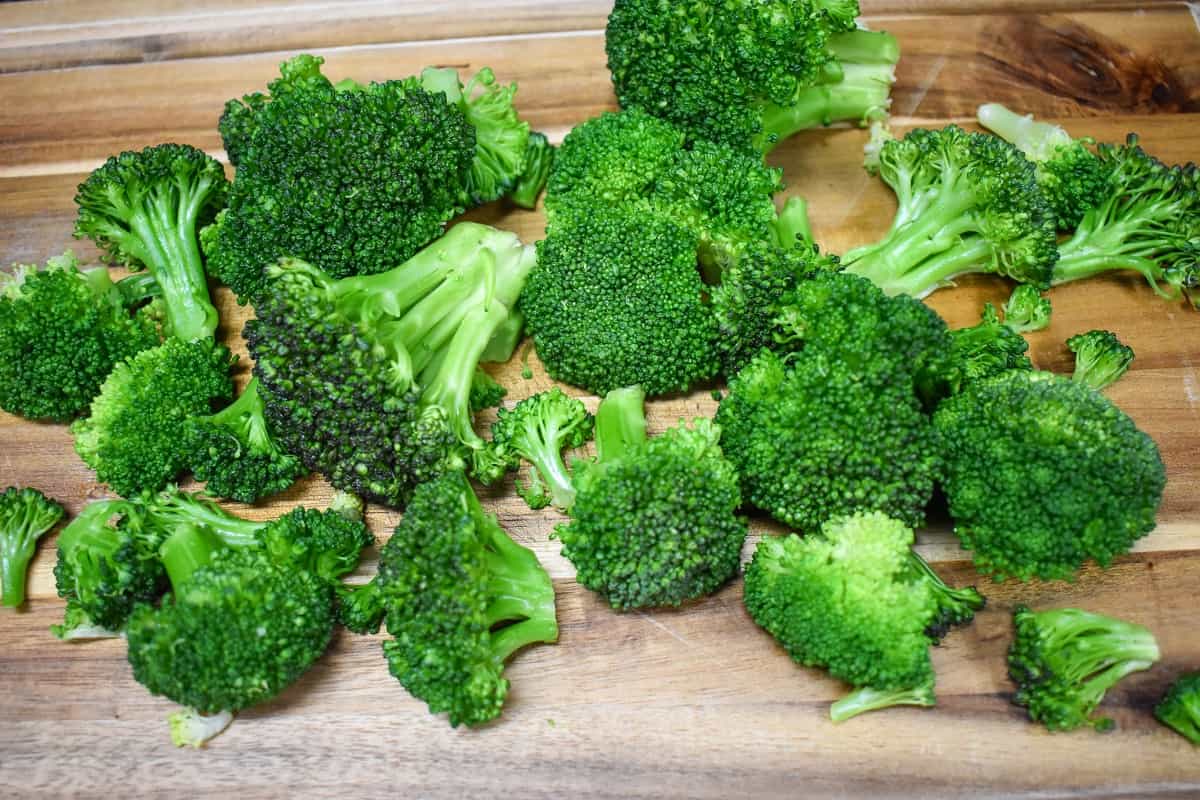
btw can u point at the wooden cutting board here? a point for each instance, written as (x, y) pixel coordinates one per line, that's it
(695, 702)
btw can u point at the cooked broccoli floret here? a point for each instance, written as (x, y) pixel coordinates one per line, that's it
(537, 429)
(1027, 310)
(1100, 358)
(145, 208)
(1043, 473)
(61, 331)
(1064, 661)
(539, 158)
(134, 434)
(749, 74)
(486, 392)
(368, 379)
(233, 452)
(654, 521)
(241, 117)
(987, 348)
(26, 515)
(1180, 707)
(968, 202)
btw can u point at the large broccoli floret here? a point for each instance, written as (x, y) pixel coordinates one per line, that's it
(1100, 358)
(133, 436)
(1043, 473)
(654, 521)
(537, 429)
(749, 74)
(368, 379)
(1027, 310)
(26, 515)
(1064, 661)
(968, 203)
(145, 209)
(1179, 709)
(61, 331)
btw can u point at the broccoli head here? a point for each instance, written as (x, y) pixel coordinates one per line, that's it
(26, 515)
(1179, 709)
(1100, 358)
(1027, 310)
(537, 429)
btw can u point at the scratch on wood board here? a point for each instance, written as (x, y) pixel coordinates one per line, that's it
(664, 628)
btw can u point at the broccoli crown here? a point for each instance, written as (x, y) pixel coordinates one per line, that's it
(61, 332)
(1100, 358)
(539, 160)
(233, 452)
(985, 349)
(1179, 708)
(1027, 310)
(1043, 473)
(460, 598)
(811, 439)
(26, 515)
(537, 429)
(241, 117)
(968, 202)
(145, 208)
(131, 437)
(1064, 661)
(654, 522)
(327, 543)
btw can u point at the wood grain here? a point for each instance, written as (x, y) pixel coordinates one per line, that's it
(695, 702)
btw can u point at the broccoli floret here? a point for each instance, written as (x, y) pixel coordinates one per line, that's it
(1180, 707)
(537, 429)
(1064, 661)
(654, 521)
(26, 515)
(1043, 473)
(368, 379)
(145, 208)
(539, 158)
(133, 434)
(1027, 310)
(234, 454)
(480, 598)
(954, 606)
(985, 349)
(968, 203)
(241, 117)
(1100, 358)
(486, 392)
(61, 331)
(748, 74)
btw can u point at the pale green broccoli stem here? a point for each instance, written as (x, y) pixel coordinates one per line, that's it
(1083, 642)
(185, 551)
(546, 457)
(886, 270)
(791, 226)
(1090, 252)
(182, 509)
(539, 157)
(1039, 141)
(867, 699)
(522, 591)
(504, 343)
(190, 728)
(245, 416)
(620, 423)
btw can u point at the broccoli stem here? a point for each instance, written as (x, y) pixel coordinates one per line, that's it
(547, 461)
(186, 550)
(16, 551)
(539, 157)
(244, 416)
(866, 699)
(1092, 251)
(1089, 642)
(183, 509)
(791, 225)
(1038, 140)
(620, 423)
(521, 591)
(504, 342)
(955, 606)
(134, 288)
(897, 272)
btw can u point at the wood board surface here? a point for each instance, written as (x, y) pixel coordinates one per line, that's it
(695, 702)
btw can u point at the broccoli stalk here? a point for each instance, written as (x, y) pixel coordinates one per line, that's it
(537, 429)
(190, 728)
(954, 606)
(539, 158)
(26, 515)
(620, 423)
(1100, 358)
(868, 698)
(1180, 707)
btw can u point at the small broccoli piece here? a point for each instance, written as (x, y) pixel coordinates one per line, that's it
(26, 515)
(190, 728)
(537, 429)
(1179, 709)
(1027, 310)
(1100, 358)
(145, 208)
(1064, 661)
(868, 698)
(539, 158)
(486, 392)
(985, 349)
(1042, 473)
(233, 452)
(61, 331)
(360, 608)
(968, 203)
(241, 117)
(132, 437)
(654, 521)
(954, 606)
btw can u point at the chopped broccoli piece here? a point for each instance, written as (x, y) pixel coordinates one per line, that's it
(539, 158)
(1179, 709)
(1100, 358)
(1027, 310)
(486, 392)
(537, 429)
(190, 728)
(868, 698)
(26, 515)
(985, 349)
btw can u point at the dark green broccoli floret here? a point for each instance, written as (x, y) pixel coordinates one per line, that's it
(1180, 707)
(968, 202)
(537, 429)
(985, 349)
(539, 158)
(1027, 310)
(234, 454)
(1064, 661)
(61, 332)
(241, 117)
(748, 74)
(654, 522)
(133, 436)
(486, 392)
(368, 379)
(26, 515)
(145, 209)
(1043, 473)
(1100, 358)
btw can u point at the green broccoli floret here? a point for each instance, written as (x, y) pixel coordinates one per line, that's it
(539, 158)
(26, 515)
(537, 429)
(480, 598)
(968, 203)
(749, 74)
(1027, 310)
(1180, 707)
(654, 521)
(1064, 661)
(61, 331)
(985, 349)
(145, 208)
(1100, 358)
(368, 379)
(486, 391)
(233, 452)
(132, 438)
(1043, 473)
(241, 117)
